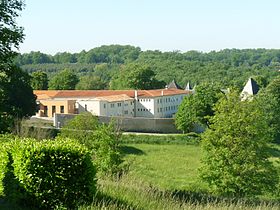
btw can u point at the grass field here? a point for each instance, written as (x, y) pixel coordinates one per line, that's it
(165, 166)
(165, 176)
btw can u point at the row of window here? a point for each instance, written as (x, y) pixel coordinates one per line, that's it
(144, 99)
(168, 108)
(166, 100)
(144, 110)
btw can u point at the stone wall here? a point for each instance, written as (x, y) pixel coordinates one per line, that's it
(132, 124)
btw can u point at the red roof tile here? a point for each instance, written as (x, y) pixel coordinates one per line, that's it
(43, 94)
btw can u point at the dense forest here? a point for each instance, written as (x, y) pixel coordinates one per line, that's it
(229, 67)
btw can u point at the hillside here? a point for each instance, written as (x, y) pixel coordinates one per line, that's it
(230, 67)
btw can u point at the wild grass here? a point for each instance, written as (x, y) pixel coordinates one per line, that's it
(129, 193)
(165, 176)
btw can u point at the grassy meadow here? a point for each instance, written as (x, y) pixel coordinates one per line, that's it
(165, 176)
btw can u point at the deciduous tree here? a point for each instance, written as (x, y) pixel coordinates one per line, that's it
(39, 80)
(64, 80)
(196, 108)
(16, 96)
(136, 76)
(236, 150)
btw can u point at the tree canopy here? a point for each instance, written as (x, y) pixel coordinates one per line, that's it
(39, 80)
(16, 95)
(230, 67)
(196, 108)
(236, 149)
(136, 76)
(64, 80)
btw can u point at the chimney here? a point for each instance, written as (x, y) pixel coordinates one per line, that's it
(135, 95)
(162, 93)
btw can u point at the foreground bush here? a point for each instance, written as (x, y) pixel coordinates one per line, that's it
(101, 139)
(48, 173)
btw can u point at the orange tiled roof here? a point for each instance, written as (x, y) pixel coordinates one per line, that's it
(112, 98)
(51, 94)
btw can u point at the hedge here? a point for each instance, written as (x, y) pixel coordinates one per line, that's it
(48, 173)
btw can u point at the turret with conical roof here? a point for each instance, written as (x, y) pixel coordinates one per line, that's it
(251, 88)
(173, 85)
(188, 86)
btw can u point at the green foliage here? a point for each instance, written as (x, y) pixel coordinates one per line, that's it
(103, 140)
(39, 80)
(81, 128)
(189, 138)
(17, 99)
(106, 150)
(196, 108)
(16, 96)
(271, 104)
(91, 83)
(10, 34)
(230, 67)
(48, 173)
(236, 150)
(64, 80)
(136, 76)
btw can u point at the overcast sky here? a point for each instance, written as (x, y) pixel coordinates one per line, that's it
(53, 26)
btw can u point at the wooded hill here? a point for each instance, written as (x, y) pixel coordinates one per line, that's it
(230, 67)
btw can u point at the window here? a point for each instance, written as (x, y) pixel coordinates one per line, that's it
(53, 110)
(85, 107)
(158, 101)
(112, 105)
(125, 112)
(157, 109)
(138, 110)
(61, 109)
(45, 111)
(119, 104)
(160, 109)
(168, 99)
(104, 106)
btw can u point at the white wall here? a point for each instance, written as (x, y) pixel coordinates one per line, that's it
(167, 106)
(92, 106)
(144, 107)
(156, 107)
(105, 108)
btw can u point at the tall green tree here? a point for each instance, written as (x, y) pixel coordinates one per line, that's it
(11, 35)
(16, 95)
(91, 83)
(271, 103)
(102, 139)
(196, 108)
(235, 161)
(39, 80)
(136, 76)
(64, 80)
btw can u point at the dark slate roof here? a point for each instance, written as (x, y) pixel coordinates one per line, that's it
(188, 86)
(173, 84)
(254, 86)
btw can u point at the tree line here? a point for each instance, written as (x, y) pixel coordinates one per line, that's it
(105, 64)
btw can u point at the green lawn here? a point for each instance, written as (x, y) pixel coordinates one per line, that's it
(164, 176)
(165, 166)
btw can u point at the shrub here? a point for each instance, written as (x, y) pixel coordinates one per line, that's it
(48, 173)
(101, 139)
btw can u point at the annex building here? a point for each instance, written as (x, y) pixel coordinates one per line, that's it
(160, 103)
